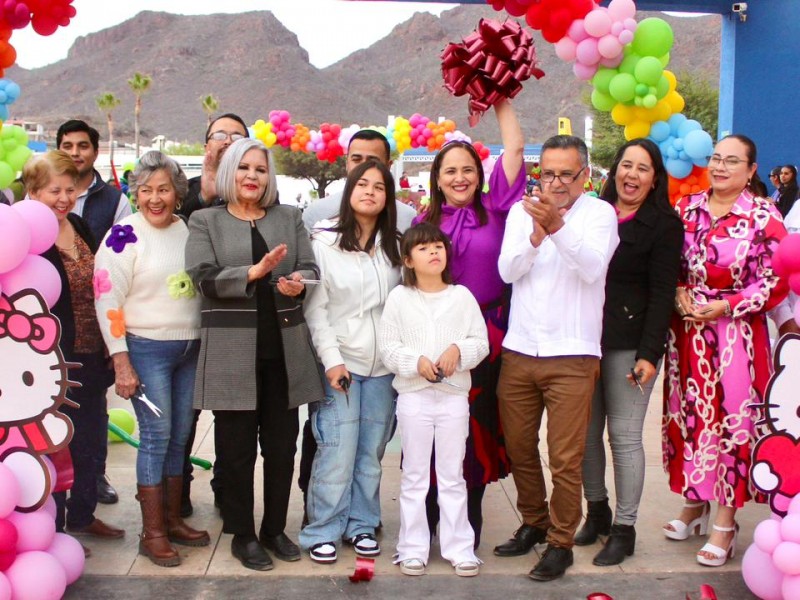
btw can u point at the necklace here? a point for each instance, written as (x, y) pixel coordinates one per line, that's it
(72, 251)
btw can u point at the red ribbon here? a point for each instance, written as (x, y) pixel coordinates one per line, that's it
(598, 596)
(490, 65)
(365, 570)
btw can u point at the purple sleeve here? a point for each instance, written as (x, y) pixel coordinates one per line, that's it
(501, 196)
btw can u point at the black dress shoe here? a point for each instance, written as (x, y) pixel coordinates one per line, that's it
(250, 553)
(281, 546)
(525, 538)
(619, 544)
(553, 564)
(598, 522)
(106, 494)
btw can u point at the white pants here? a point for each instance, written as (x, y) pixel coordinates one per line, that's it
(425, 418)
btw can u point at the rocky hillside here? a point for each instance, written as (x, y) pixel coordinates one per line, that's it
(253, 64)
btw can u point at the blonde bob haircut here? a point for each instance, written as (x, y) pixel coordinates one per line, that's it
(39, 171)
(226, 175)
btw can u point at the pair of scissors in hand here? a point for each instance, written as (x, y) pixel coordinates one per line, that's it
(440, 378)
(344, 383)
(139, 395)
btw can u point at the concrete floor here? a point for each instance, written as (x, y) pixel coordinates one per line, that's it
(660, 568)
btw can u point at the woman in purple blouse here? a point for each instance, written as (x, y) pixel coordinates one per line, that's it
(475, 221)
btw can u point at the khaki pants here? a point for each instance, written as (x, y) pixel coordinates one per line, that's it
(563, 385)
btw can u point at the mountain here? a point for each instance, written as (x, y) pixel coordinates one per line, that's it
(253, 64)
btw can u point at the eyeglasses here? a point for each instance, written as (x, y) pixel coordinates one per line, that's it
(730, 162)
(221, 136)
(565, 178)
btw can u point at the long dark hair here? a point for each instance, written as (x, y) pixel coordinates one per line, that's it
(423, 233)
(658, 196)
(348, 227)
(434, 212)
(755, 185)
(788, 191)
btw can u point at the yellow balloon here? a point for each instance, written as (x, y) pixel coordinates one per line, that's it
(661, 111)
(637, 129)
(622, 114)
(676, 102)
(673, 81)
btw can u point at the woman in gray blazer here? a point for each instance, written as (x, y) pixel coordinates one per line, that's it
(249, 259)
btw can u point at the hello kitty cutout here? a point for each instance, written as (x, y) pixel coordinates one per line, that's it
(776, 456)
(33, 384)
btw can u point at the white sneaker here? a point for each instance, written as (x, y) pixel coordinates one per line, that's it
(467, 568)
(412, 566)
(323, 553)
(365, 544)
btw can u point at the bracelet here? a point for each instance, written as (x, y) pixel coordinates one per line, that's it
(728, 312)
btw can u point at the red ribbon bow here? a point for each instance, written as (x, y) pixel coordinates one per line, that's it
(490, 64)
(39, 331)
(365, 569)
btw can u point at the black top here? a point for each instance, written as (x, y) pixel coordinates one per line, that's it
(268, 345)
(192, 201)
(641, 282)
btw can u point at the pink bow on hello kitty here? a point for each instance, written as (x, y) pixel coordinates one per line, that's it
(40, 331)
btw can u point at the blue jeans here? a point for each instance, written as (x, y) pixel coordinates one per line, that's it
(166, 370)
(343, 496)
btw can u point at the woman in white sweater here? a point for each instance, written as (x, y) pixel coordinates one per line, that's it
(149, 316)
(432, 333)
(359, 263)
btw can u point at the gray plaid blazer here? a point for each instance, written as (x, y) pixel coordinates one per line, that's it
(219, 253)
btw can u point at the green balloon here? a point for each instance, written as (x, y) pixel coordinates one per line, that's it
(642, 89)
(638, 101)
(664, 60)
(649, 101)
(648, 70)
(662, 87)
(6, 174)
(623, 87)
(602, 102)
(628, 64)
(20, 135)
(122, 419)
(602, 79)
(17, 158)
(653, 37)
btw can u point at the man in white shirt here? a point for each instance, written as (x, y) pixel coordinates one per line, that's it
(366, 144)
(555, 252)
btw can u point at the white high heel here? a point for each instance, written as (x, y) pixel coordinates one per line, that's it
(681, 531)
(721, 554)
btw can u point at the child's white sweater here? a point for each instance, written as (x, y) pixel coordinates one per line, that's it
(416, 323)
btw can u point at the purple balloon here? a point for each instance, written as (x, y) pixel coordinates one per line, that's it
(69, 553)
(42, 223)
(37, 576)
(15, 239)
(761, 575)
(33, 272)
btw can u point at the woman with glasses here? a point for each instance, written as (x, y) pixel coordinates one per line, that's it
(640, 292)
(718, 354)
(789, 189)
(475, 221)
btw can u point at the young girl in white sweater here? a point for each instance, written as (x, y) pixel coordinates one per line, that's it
(431, 335)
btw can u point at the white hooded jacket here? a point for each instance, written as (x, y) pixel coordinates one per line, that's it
(343, 313)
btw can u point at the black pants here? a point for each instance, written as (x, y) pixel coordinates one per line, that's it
(89, 441)
(188, 468)
(274, 427)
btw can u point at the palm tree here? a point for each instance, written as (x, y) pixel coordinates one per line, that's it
(107, 103)
(139, 84)
(210, 106)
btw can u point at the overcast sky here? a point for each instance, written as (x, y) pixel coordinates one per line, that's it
(328, 29)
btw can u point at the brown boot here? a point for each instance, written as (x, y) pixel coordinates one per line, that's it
(177, 529)
(153, 541)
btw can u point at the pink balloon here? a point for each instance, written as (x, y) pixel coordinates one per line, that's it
(611, 63)
(36, 576)
(797, 312)
(794, 282)
(577, 32)
(781, 502)
(794, 504)
(50, 506)
(626, 37)
(15, 239)
(761, 575)
(565, 49)
(5, 588)
(42, 223)
(767, 535)
(8, 536)
(786, 557)
(33, 272)
(584, 72)
(69, 553)
(790, 528)
(791, 586)
(789, 249)
(597, 23)
(587, 52)
(9, 491)
(35, 530)
(622, 9)
(609, 47)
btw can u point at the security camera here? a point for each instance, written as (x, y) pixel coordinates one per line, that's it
(739, 7)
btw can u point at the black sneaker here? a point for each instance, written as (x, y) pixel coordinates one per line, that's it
(553, 564)
(323, 553)
(365, 544)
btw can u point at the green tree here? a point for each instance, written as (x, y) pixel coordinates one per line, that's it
(302, 165)
(185, 149)
(702, 105)
(210, 106)
(139, 84)
(107, 103)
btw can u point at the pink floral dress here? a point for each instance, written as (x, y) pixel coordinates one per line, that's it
(717, 372)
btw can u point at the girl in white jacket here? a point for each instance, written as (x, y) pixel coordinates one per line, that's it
(432, 333)
(359, 263)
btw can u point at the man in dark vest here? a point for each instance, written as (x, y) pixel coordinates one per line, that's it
(100, 205)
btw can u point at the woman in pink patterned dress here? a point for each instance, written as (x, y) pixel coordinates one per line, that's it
(718, 354)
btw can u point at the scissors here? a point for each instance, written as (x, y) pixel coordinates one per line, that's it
(440, 378)
(303, 281)
(637, 378)
(344, 382)
(138, 394)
